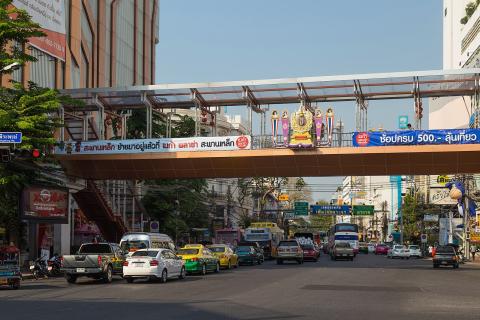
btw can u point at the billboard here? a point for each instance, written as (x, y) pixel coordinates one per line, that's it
(50, 14)
(45, 204)
(228, 143)
(416, 137)
(441, 196)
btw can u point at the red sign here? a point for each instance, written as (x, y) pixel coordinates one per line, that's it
(242, 142)
(363, 139)
(45, 203)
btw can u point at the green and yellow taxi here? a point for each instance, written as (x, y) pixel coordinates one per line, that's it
(199, 259)
(227, 257)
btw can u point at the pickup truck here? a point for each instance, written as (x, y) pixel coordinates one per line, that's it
(94, 260)
(446, 255)
(342, 250)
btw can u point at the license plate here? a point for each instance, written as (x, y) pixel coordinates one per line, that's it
(3, 281)
(80, 269)
(444, 262)
(343, 254)
(137, 264)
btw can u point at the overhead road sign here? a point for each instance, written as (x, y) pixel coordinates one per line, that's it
(301, 208)
(10, 137)
(363, 210)
(330, 210)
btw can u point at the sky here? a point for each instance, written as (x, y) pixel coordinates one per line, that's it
(218, 40)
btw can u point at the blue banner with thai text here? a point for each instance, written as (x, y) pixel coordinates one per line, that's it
(416, 137)
(330, 210)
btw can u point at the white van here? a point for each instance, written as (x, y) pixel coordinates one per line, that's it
(133, 241)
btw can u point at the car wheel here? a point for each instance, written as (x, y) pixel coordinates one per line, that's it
(129, 279)
(229, 265)
(164, 276)
(279, 261)
(108, 276)
(217, 268)
(435, 265)
(204, 270)
(316, 260)
(71, 278)
(182, 273)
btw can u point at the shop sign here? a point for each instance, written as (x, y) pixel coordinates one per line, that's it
(439, 181)
(283, 197)
(363, 210)
(402, 122)
(441, 196)
(416, 137)
(230, 143)
(45, 204)
(50, 15)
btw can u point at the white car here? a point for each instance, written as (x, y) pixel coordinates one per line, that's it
(414, 251)
(398, 251)
(371, 247)
(154, 264)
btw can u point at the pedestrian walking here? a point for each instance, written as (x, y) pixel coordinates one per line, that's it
(473, 250)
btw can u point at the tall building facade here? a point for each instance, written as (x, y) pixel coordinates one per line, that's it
(96, 43)
(461, 49)
(89, 43)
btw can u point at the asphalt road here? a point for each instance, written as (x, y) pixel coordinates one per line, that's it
(371, 287)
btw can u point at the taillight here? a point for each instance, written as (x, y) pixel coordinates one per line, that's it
(99, 260)
(125, 263)
(61, 262)
(194, 259)
(153, 263)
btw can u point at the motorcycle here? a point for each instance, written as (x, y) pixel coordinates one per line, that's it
(39, 268)
(54, 265)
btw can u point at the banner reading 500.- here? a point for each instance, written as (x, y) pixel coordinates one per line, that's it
(416, 137)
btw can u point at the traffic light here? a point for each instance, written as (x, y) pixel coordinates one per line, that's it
(5, 154)
(27, 154)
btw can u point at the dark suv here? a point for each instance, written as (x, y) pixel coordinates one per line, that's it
(446, 256)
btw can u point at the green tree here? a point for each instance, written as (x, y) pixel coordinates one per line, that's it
(31, 110)
(411, 216)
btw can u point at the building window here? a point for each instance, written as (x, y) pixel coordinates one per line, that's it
(42, 72)
(85, 71)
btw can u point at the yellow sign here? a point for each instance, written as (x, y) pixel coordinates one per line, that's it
(283, 197)
(443, 180)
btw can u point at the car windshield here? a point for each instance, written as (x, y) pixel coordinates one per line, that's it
(133, 245)
(244, 249)
(288, 244)
(413, 247)
(398, 247)
(94, 248)
(217, 249)
(187, 251)
(446, 249)
(343, 245)
(149, 253)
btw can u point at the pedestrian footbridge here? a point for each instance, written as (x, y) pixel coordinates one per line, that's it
(335, 161)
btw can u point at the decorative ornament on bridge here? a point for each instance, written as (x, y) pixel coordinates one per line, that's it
(301, 122)
(318, 126)
(457, 190)
(285, 127)
(275, 121)
(329, 116)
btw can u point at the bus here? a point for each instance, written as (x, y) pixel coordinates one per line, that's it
(266, 234)
(343, 232)
(231, 236)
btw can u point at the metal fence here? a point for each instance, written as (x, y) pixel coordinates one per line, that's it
(339, 139)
